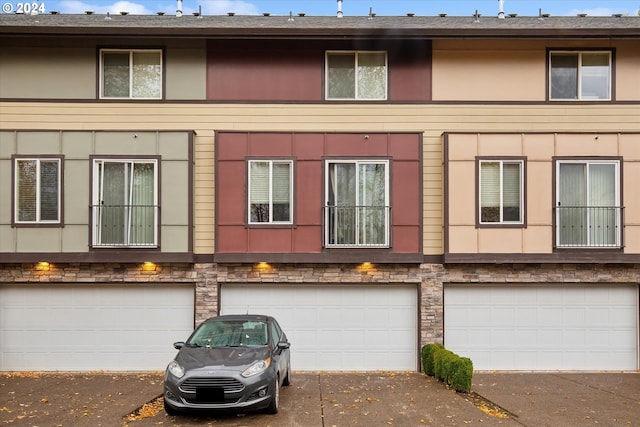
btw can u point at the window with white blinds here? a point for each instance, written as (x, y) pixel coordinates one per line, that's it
(501, 191)
(270, 191)
(37, 190)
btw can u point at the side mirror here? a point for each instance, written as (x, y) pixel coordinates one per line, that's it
(178, 345)
(282, 345)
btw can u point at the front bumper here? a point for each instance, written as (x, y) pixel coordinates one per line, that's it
(219, 391)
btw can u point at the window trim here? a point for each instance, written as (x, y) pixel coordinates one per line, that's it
(14, 192)
(356, 53)
(94, 244)
(388, 219)
(611, 52)
(131, 51)
(618, 161)
(271, 223)
(522, 223)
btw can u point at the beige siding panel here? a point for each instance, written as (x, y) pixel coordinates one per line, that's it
(76, 193)
(39, 239)
(536, 239)
(540, 190)
(7, 239)
(488, 75)
(5, 191)
(539, 193)
(500, 240)
(76, 147)
(462, 206)
(204, 238)
(186, 74)
(538, 147)
(627, 71)
(47, 73)
(174, 181)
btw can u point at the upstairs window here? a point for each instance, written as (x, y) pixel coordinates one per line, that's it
(130, 74)
(357, 203)
(356, 76)
(501, 191)
(580, 75)
(125, 203)
(37, 190)
(588, 211)
(270, 191)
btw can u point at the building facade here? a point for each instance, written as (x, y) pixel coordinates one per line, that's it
(376, 183)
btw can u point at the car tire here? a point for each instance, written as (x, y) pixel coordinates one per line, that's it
(275, 398)
(287, 376)
(169, 409)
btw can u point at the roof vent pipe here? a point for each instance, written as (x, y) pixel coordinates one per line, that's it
(500, 9)
(179, 9)
(340, 15)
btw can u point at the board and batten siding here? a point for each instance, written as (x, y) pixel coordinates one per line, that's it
(431, 119)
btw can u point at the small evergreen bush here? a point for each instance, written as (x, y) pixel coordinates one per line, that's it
(427, 358)
(447, 367)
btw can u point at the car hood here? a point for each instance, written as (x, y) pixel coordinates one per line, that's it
(224, 358)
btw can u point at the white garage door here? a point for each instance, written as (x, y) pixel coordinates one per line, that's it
(543, 327)
(354, 328)
(79, 328)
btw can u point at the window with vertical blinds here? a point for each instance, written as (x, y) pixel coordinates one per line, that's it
(37, 190)
(501, 191)
(270, 191)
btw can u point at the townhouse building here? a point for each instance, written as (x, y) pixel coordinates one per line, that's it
(376, 183)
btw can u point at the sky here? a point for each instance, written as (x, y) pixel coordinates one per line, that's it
(330, 7)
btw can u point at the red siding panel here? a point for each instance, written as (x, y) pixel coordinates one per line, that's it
(309, 151)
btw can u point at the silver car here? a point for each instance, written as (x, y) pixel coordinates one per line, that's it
(229, 363)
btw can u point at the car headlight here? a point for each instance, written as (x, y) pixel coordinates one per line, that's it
(256, 368)
(175, 369)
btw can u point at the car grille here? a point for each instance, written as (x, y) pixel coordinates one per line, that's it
(229, 385)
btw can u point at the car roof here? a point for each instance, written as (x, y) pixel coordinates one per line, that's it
(241, 317)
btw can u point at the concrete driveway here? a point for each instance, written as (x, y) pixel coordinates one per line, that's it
(332, 399)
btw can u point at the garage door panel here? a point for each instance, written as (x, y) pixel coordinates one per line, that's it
(99, 327)
(337, 327)
(553, 326)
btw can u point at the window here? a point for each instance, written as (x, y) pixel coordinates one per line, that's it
(37, 190)
(580, 75)
(270, 191)
(357, 203)
(588, 198)
(131, 74)
(125, 203)
(356, 75)
(501, 191)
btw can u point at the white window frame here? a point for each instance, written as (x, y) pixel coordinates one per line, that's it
(97, 197)
(357, 54)
(501, 191)
(38, 190)
(131, 52)
(580, 54)
(387, 209)
(270, 162)
(617, 201)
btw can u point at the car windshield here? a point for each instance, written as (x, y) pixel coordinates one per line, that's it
(224, 333)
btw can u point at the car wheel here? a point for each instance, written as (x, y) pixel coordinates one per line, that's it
(275, 398)
(169, 409)
(287, 376)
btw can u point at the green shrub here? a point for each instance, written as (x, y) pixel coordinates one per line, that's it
(447, 367)
(441, 361)
(427, 358)
(462, 374)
